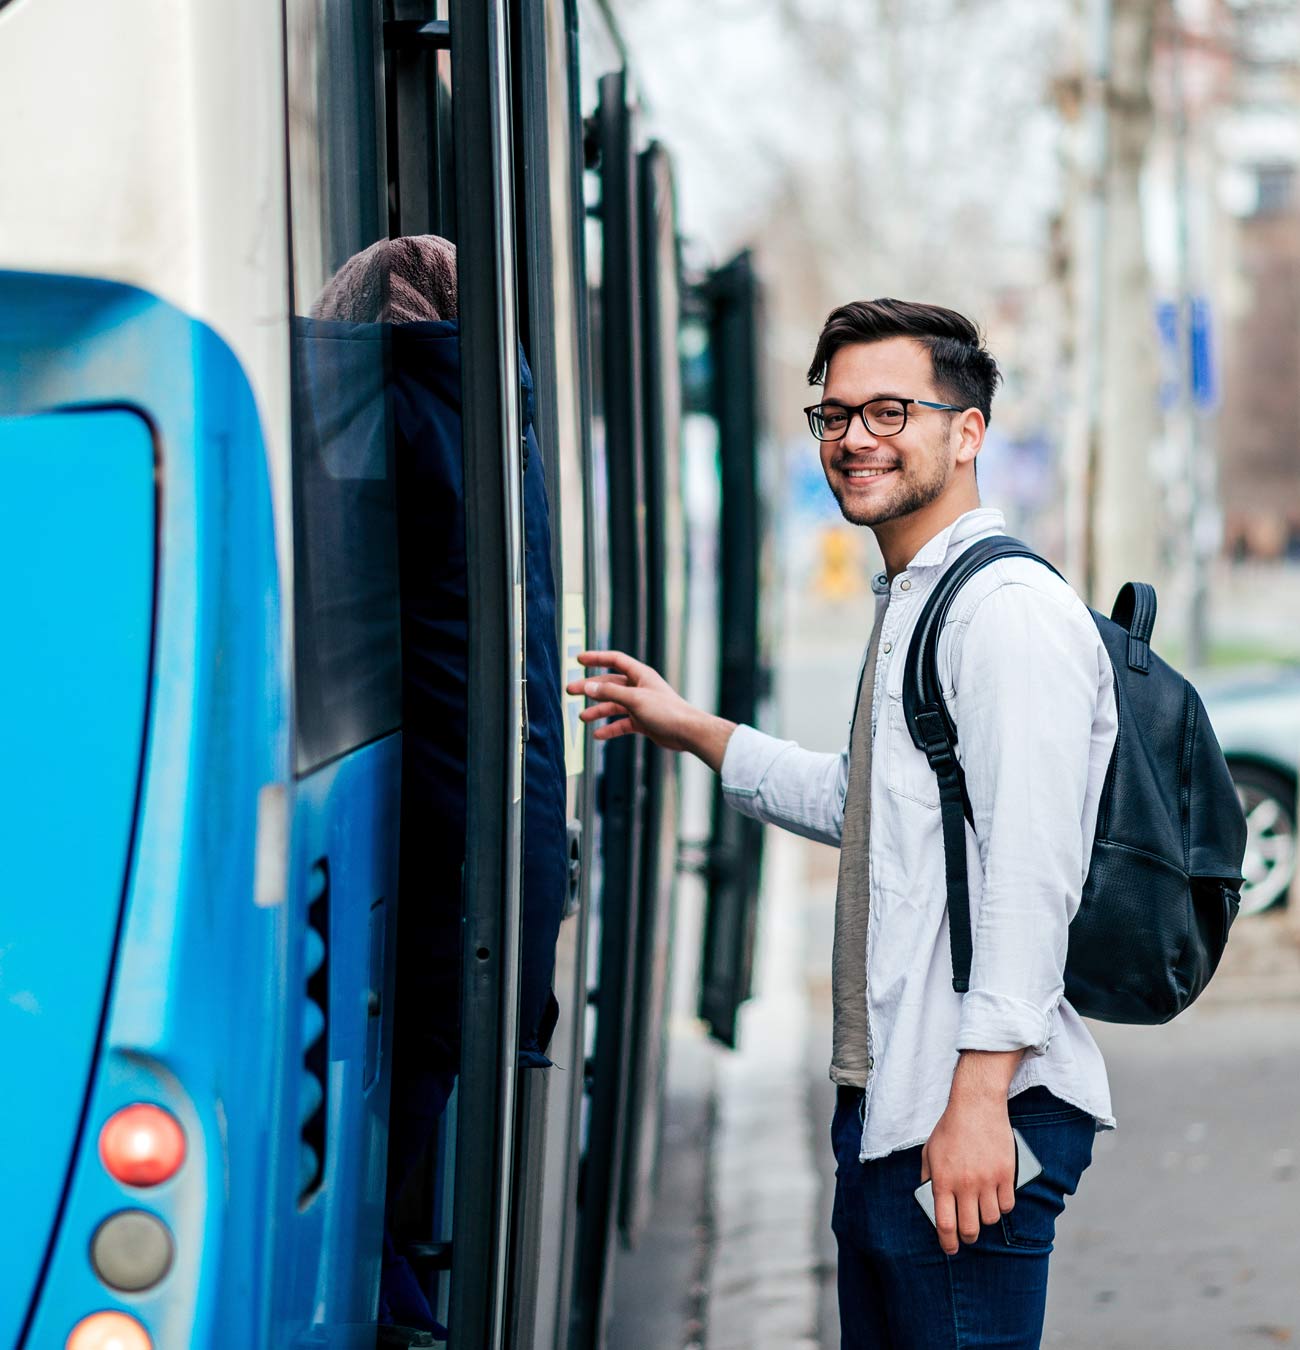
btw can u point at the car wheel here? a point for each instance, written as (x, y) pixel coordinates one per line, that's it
(1269, 800)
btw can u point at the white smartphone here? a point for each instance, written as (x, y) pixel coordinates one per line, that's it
(1027, 1168)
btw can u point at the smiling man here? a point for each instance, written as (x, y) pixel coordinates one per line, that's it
(931, 1080)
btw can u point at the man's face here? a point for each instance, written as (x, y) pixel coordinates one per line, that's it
(879, 478)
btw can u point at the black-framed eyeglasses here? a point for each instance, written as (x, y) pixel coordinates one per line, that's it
(880, 416)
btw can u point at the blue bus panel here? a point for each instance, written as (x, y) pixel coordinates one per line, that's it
(77, 554)
(337, 974)
(170, 593)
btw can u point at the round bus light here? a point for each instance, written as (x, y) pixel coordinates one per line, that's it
(131, 1251)
(109, 1331)
(142, 1145)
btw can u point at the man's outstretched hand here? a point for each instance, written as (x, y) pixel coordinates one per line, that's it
(632, 697)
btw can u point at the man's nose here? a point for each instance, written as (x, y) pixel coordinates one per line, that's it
(858, 436)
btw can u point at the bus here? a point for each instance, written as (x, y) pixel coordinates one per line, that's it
(208, 669)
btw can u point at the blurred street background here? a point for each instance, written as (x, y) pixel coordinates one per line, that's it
(1110, 188)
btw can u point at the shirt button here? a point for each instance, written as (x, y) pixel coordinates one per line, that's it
(904, 585)
(887, 648)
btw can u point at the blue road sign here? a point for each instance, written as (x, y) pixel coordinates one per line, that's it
(1202, 376)
(1204, 383)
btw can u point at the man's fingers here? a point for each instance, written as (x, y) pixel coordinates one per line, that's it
(606, 689)
(968, 1216)
(612, 729)
(1006, 1197)
(945, 1220)
(619, 661)
(990, 1206)
(602, 710)
(579, 686)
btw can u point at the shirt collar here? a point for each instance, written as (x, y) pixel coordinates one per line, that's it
(935, 552)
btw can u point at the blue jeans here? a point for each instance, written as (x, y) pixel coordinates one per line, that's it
(897, 1289)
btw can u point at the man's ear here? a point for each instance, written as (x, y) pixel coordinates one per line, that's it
(969, 429)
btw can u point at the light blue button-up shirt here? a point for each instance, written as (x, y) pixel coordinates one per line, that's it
(1031, 689)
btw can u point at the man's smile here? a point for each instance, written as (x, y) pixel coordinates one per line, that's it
(868, 473)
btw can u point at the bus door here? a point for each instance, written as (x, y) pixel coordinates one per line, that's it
(620, 480)
(730, 299)
(450, 166)
(665, 647)
(551, 285)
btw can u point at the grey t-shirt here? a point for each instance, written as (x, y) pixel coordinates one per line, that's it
(849, 1050)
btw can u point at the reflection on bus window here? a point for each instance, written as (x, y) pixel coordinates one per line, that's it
(346, 630)
(405, 289)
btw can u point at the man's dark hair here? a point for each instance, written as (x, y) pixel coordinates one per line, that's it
(964, 371)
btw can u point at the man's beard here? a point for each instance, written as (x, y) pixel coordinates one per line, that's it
(910, 493)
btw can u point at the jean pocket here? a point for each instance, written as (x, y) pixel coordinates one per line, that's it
(1064, 1148)
(1033, 1221)
(1065, 1115)
(1038, 1106)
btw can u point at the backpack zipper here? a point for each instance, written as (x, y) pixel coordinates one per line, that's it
(1185, 774)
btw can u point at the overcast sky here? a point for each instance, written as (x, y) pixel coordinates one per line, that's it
(926, 121)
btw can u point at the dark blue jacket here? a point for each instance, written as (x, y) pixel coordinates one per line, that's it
(431, 532)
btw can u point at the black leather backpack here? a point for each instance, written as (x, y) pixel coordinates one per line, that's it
(1162, 886)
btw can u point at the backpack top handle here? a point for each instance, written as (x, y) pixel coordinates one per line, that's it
(1135, 612)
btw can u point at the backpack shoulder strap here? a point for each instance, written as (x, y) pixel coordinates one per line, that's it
(935, 733)
(921, 689)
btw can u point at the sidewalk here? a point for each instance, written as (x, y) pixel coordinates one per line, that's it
(730, 1259)
(763, 1291)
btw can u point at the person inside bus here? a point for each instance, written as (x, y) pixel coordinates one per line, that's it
(409, 284)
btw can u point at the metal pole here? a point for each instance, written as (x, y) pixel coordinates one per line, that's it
(1192, 553)
(485, 1141)
(1091, 330)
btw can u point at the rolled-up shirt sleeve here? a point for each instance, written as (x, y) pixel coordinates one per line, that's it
(1025, 696)
(783, 784)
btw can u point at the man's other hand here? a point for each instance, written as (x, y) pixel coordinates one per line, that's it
(970, 1158)
(635, 698)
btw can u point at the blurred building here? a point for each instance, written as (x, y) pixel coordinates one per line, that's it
(1258, 144)
(1224, 234)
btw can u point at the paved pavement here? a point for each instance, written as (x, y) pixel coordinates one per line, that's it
(748, 1214)
(661, 1288)
(762, 1291)
(1185, 1231)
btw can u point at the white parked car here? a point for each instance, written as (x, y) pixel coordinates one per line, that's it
(1256, 717)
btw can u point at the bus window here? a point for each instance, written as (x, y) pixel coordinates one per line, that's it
(347, 667)
(346, 653)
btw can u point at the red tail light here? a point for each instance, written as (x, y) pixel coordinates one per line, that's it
(142, 1145)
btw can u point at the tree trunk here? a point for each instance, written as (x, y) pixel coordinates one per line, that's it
(1113, 511)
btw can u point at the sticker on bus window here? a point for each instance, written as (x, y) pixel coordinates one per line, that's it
(575, 641)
